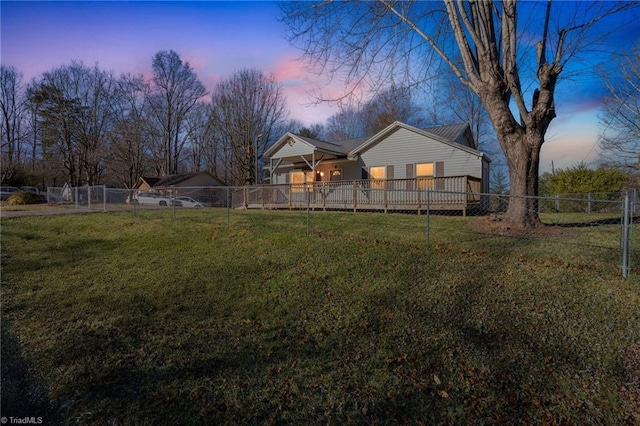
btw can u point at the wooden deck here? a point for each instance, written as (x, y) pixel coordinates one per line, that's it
(459, 193)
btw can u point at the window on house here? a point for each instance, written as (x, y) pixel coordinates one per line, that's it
(377, 174)
(298, 179)
(424, 175)
(335, 175)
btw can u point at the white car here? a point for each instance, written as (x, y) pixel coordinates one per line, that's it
(153, 198)
(30, 189)
(189, 202)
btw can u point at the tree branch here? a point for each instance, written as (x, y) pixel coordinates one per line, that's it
(470, 82)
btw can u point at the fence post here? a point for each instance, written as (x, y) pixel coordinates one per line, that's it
(428, 231)
(355, 197)
(172, 199)
(385, 195)
(588, 202)
(104, 198)
(89, 197)
(228, 203)
(324, 196)
(626, 236)
(308, 207)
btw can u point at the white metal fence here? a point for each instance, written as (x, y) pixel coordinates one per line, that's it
(612, 215)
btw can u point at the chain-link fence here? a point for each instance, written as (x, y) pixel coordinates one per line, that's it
(589, 227)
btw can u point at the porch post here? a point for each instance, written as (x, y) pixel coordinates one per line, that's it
(273, 168)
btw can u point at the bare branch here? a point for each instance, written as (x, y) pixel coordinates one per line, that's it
(432, 43)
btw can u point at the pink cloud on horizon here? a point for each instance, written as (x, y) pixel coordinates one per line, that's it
(570, 142)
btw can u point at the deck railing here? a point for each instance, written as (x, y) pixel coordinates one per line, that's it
(443, 193)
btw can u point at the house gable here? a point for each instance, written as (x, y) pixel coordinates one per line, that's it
(291, 145)
(403, 147)
(145, 183)
(460, 141)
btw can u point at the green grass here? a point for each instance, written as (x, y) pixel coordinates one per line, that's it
(246, 319)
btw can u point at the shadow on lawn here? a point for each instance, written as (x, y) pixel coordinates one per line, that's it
(600, 222)
(24, 394)
(59, 253)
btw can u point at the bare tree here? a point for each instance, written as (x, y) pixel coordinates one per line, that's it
(129, 142)
(620, 139)
(203, 146)
(481, 42)
(176, 89)
(13, 129)
(56, 125)
(314, 131)
(76, 114)
(345, 124)
(387, 106)
(247, 109)
(456, 102)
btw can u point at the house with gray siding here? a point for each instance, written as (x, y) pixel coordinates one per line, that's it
(394, 169)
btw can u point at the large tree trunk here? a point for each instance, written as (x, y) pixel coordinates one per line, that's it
(522, 149)
(521, 145)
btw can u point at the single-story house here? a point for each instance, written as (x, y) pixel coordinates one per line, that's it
(198, 185)
(393, 169)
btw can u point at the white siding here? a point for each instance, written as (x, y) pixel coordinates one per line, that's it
(406, 147)
(298, 148)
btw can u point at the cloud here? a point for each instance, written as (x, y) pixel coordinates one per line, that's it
(302, 89)
(570, 142)
(314, 97)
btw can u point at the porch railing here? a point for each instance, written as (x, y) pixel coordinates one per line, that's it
(442, 193)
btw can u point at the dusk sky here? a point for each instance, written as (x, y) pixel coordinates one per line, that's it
(219, 38)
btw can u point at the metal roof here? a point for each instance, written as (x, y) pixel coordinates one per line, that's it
(450, 132)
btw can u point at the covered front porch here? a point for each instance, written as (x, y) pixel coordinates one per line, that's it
(306, 155)
(455, 193)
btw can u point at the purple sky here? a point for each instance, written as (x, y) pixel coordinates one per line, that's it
(218, 38)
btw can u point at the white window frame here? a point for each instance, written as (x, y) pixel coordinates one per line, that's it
(377, 182)
(425, 180)
(331, 172)
(307, 178)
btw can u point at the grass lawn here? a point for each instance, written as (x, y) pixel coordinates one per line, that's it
(246, 319)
